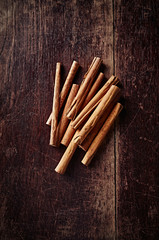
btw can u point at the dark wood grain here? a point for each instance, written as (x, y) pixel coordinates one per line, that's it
(117, 197)
(136, 61)
(36, 202)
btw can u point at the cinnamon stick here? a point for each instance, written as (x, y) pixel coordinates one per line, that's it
(49, 119)
(70, 131)
(89, 139)
(102, 134)
(55, 106)
(84, 88)
(62, 165)
(94, 89)
(84, 114)
(64, 120)
(66, 86)
(102, 106)
(68, 82)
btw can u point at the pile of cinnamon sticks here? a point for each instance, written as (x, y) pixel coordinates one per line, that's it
(88, 113)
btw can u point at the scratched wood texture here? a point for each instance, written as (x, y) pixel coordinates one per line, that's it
(137, 139)
(37, 203)
(117, 197)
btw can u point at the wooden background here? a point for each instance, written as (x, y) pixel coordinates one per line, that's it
(117, 197)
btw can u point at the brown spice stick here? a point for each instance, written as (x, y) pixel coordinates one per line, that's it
(94, 89)
(84, 88)
(84, 114)
(64, 120)
(89, 139)
(55, 106)
(70, 131)
(68, 82)
(49, 119)
(102, 134)
(102, 106)
(62, 165)
(66, 86)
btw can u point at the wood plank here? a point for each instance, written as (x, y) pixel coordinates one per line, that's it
(136, 28)
(36, 202)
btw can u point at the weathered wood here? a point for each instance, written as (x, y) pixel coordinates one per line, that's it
(136, 61)
(36, 202)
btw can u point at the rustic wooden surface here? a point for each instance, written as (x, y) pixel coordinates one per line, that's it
(137, 140)
(117, 197)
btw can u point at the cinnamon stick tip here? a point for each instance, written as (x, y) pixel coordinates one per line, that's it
(58, 66)
(85, 162)
(53, 144)
(60, 171)
(102, 74)
(120, 107)
(75, 62)
(98, 58)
